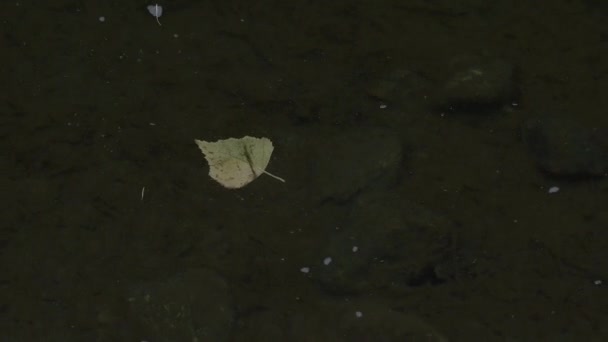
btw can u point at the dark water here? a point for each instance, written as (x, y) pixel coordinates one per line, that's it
(113, 230)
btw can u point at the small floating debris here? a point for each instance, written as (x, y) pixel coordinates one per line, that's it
(157, 11)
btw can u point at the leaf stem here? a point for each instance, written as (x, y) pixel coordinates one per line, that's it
(273, 176)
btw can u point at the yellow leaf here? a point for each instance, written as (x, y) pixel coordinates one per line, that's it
(235, 163)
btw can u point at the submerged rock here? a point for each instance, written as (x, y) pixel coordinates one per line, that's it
(374, 321)
(564, 147)
(478, 87)
(191, 306)
(390, 243)
(337, 164)
(397, 85)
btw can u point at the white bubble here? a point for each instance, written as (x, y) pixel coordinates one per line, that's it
(305, 269)
(327, 261)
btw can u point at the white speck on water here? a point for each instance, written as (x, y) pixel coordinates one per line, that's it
(327, 261)
(358, 314)
(102, 19)
(553, 189)
(305, 269)
(355, 249)
(597, 282)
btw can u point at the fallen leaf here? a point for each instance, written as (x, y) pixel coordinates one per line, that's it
(234, 162)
